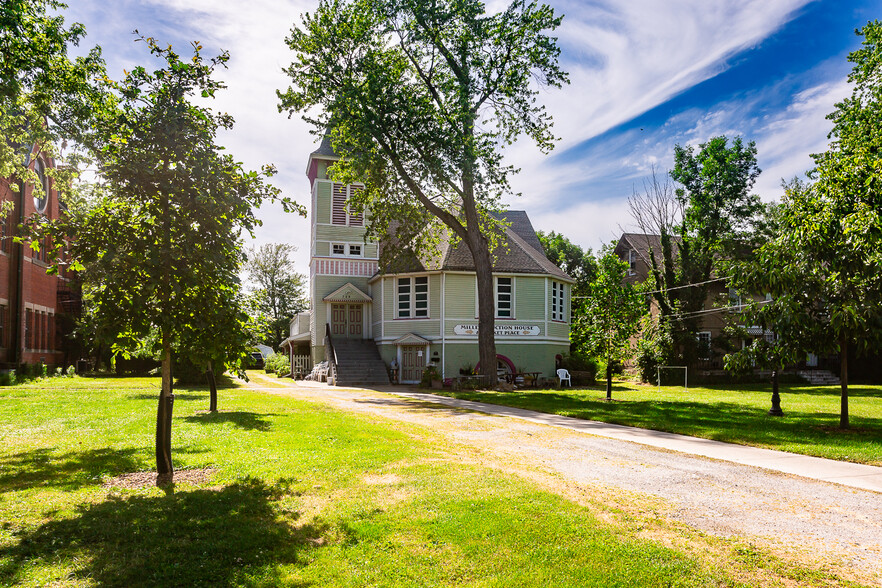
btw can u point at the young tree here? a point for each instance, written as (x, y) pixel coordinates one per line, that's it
(420, 98)
(280, 291)
(162, 250)
(610, 314)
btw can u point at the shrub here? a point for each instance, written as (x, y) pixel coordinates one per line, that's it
(71, 371)
(578, 362)
(278, 364)
(7, 378)
(654, 348)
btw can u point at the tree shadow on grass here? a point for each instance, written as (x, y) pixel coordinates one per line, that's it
(250, 421)
(67, 471)
(722, 421)
(178, 396)
(197, 538)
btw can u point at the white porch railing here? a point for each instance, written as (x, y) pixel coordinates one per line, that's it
(300, 366)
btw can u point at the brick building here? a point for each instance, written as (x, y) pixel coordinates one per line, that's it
(31, 301)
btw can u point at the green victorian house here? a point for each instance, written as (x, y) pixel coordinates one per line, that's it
(368, 322)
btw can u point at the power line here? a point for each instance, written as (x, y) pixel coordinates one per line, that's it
(686, 286)
(674, 287)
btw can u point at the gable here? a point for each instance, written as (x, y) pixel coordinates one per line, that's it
(347, 293)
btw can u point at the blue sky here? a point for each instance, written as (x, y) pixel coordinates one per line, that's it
(646, 75)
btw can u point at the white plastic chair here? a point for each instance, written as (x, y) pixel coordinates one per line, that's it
(564, 376)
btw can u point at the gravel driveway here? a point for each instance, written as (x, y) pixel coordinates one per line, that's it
(826, 525)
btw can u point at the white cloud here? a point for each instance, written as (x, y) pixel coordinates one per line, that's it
(624, 59)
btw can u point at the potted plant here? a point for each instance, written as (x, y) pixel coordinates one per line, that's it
(431, 378)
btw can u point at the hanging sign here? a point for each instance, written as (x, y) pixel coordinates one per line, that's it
(501, 330)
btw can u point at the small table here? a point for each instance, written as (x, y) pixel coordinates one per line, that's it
(533, 376)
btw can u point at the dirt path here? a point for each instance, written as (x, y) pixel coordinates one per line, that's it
(822, 525)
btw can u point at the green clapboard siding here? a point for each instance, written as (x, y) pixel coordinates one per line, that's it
(529, 298)
(459, 297)
(556, 329)
(339, 233)
(323, 202)
(322, 249)
(427, 328)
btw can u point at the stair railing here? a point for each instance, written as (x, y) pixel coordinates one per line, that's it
(330, 354)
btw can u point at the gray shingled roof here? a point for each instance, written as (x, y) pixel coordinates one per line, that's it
(325, 148)
(521, 253)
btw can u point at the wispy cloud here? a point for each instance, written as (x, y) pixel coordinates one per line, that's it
(625, 58)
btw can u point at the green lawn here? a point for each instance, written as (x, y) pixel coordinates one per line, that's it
(737, 414)
(303, 495)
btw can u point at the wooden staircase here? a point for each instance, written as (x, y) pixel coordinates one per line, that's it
(359, 362)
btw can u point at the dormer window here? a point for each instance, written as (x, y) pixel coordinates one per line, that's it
(632, 262)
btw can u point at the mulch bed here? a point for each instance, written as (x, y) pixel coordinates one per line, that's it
(136, 480)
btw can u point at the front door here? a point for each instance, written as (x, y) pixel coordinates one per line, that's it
(338, 320)
(412, 363)
(355, 322)
(346, 320)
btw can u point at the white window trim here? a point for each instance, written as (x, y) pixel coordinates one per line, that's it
(412, 302)
(346, 248)
(709, 342)
(561, 302)
(632, 261)
(496, 298)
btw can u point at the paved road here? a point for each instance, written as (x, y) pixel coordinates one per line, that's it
(832, 525)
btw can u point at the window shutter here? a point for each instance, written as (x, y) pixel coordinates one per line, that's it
(356, 220)
(338, 205)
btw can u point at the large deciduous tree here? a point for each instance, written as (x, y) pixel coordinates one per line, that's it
(606, 319)
(824, 270)
(707, 216)
(278, 291)
(45, 96)
(420, 98)
(162, 249)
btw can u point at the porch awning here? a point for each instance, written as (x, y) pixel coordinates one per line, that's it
(298, 338)
(411, 339)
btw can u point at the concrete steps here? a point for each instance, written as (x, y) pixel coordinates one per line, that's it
(359, 362)
(819, 377)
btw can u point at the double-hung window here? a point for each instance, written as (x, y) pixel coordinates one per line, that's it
(504, 297)
(413, 297)
(558, 301)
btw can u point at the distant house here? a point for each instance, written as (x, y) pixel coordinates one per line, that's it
(33, 305)
(424, 312)
(721, 302)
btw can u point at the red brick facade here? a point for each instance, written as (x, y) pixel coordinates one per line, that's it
(29, 297)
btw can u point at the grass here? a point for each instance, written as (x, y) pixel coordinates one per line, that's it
(733, 413)
(302, 495)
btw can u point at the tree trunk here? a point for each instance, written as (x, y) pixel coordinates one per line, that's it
(609, 380)
(486, 314)
(843, 379)
(212, 386)
(164, 468)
